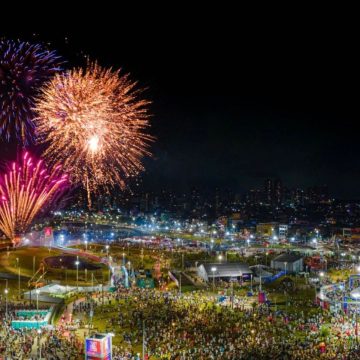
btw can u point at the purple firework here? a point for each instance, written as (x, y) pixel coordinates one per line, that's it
(24, 67)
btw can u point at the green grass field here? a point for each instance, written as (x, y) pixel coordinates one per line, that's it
(25, 258)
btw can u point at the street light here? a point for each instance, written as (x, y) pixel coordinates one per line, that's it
(107, 250)
(18, 264)
(213, 269)
(102, 293)
(285, 263)
(37, 291)
(6, 301)
(220, 257)
(77, 263)
(39, 345)
(86, 244)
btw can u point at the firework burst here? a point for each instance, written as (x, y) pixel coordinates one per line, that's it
(24, 68)
(25, 189)
(94, 123)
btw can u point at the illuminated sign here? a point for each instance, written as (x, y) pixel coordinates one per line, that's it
(98, 347)
(93, 347)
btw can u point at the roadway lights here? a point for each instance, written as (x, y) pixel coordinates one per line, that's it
(37, 291)
(213, 269)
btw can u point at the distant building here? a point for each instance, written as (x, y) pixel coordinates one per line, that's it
(266, 230)
(290, 262)
(268, 191)
(318, 194)
(225, 271)
(283, 231)
(278, 192)
(273, 192)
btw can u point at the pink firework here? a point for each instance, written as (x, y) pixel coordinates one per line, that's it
(26, 188)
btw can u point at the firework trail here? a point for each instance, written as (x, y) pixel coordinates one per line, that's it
(25, 189)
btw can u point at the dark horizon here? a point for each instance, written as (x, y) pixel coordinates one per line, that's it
(230, 111)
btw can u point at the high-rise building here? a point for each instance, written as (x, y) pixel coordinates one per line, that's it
(268, 191)
(273, 192)
(278, 192)
(318, 194)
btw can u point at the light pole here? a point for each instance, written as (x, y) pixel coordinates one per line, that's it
(37, 291)
(77, 262)
(18, 267)
(107, 251)
(123, 255)
(6, 302)
(102, 293)
(220, 258)
(86, 244)
(39, 345)
(143, 342)
(285, 263)
(213, 269)
(129, 264)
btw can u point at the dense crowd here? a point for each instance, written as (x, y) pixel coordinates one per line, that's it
(190, 326)
(29, 344)
(194, 326)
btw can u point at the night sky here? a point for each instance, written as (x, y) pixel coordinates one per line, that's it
(233, 106)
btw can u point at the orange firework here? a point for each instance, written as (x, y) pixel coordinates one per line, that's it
(94, 123)
(25, 189)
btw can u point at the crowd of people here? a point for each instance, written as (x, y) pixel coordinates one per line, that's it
(188, 326)
(194, 326)
(48, 343)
